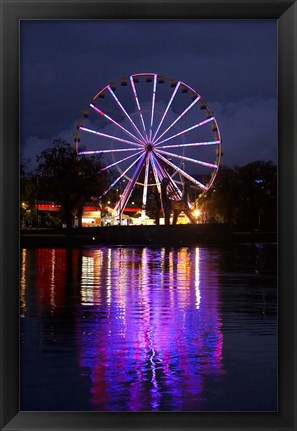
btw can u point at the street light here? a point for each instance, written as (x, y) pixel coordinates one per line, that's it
(196, 213)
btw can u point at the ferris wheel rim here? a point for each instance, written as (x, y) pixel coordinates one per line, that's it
(148, 140)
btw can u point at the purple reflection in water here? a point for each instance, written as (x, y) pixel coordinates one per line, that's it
(151, 330)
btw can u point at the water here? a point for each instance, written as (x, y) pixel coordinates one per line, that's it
(149, 329)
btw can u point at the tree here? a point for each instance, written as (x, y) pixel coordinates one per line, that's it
(28, 196)
(258, 194)
(221, 203)
(69, 180)
(244, 197)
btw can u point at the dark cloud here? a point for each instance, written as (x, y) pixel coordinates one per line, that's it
(230, 63)
(249, 130)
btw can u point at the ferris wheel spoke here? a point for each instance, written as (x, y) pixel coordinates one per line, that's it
(155, 173)
(174, 188)
(120, 161)
(121, 176)
(178, 118)
(182, 172)
(158, 175)
(125, 112)
(110, 137)
(121, 204)
(116, 123)
(153, 106)
(106, 151)
(158, 167)
(166, 110)
(199, 162)
(191, 144)
(187, 130)
(148, 143)
(145, 185)
(138, 106)
(124, 197)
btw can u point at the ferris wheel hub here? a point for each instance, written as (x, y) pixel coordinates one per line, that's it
(149, 147)
(146, 128)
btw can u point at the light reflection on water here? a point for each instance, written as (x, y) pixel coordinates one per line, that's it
(144, 327)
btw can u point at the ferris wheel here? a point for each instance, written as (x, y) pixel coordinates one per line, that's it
(149, 127)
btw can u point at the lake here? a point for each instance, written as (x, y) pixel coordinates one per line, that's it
(149, 328)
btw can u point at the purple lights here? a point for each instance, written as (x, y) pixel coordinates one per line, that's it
(122, 174)
(147, 110)
(210, 165)
(193, 180)
(178, 118)
(138, 106)
(153, 107)
(120, 161)
(108, 136)
(128, 189)
(163, 333)
(166, 110)
(125, 112)
(191, 144)
(116, 123)
(134, 329)
(187, 130)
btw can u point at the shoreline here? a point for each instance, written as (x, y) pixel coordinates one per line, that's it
(178, 235)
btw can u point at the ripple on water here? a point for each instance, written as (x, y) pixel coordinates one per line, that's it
(149, 329)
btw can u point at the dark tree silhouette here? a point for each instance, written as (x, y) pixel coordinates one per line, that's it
(28, 196)
(244, 197)
(68, 179)
(221, 201)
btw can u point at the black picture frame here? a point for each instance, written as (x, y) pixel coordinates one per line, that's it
(285, 12)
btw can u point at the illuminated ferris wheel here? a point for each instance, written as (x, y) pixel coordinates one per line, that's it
(149, 127)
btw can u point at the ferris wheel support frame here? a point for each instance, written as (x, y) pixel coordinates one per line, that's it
(148, 143)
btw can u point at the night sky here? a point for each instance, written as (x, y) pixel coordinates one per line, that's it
(232, 64)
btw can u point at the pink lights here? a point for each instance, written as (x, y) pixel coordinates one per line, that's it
(187, 130)
(210, 165)
(121, 204)
(120, 161)
(138, 106)
(153, 106)
(189, 177)
(125, 112)
(116, 123)
(166, 110)
(191, 144)
(139, 111)
(110, 137)
(178, 118)
(144, 196)
(160, 341)
(121, 176)
(119, 150)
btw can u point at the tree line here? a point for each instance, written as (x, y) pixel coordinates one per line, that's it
(245, 197)
(64, 178)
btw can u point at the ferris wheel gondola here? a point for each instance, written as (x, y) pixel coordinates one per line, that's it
(149, 127)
